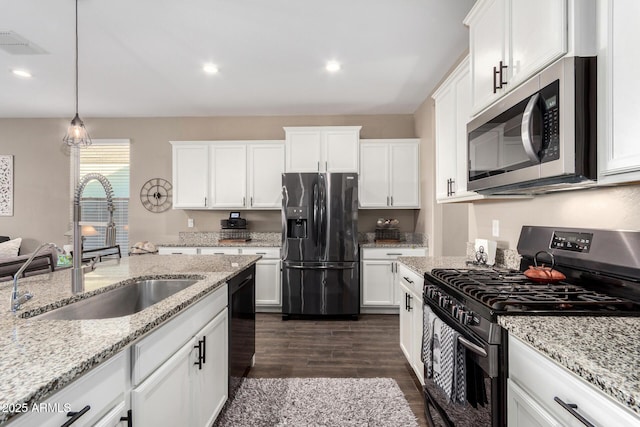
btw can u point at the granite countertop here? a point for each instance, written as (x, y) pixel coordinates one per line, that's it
(217, 244)
(42, 356)
(604, 351)
(393, 245)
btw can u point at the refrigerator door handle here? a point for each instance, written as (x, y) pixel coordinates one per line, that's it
(321, 267)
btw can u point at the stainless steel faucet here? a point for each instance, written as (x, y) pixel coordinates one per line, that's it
(77, 272)
(17, 298)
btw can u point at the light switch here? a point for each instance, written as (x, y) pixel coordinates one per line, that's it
(190, 222)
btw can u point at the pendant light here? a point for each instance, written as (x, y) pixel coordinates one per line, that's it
(77, 135)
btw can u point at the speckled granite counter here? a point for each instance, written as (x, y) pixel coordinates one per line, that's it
(212, 239)
(42, 356)
(604, 351)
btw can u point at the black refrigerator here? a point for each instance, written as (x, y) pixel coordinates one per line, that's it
(320, 268)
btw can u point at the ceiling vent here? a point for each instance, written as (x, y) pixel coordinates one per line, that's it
(15, 44)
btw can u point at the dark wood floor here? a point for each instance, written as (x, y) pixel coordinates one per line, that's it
(365, 348)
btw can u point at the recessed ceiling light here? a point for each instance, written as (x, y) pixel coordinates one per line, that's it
(22, 73)
(333, 66)
(210, 68)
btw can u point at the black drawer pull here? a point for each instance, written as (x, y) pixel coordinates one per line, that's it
(75, 416)
(571, 407)
(128, 419)
(407, 279)
(204, 349)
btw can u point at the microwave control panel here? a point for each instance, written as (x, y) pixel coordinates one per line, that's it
(571, 241)
(550, 122)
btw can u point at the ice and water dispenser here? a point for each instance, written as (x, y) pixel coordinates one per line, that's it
(297, 219)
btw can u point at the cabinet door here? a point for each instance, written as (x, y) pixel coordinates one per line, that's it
(164, 399)
(406, 323)
(416, 336)
(302, 151)
(446, 140)
(268, 281)
(618, 91)
(340, 150)
(538, 36)
(405, 175)
(228, 175)
(373, 191)
(377, 283)
(190, 175)
(487, 47)
(210, 381)
(463, 115)
(524, 411)
(266, 165)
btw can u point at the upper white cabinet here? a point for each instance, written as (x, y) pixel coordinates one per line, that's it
(389, 174)
(228, 174)
(322, 149)
(190, 175)
(511, 40)
(618, 91)
(453, 111)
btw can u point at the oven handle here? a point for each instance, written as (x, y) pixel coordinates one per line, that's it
(526, 129)
(472, 347)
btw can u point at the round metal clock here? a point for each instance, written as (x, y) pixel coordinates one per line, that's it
(155, 195)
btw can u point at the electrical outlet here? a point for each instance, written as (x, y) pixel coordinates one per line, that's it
(190, 222)
(495, 228)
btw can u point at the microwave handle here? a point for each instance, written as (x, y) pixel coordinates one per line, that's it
(526, 130)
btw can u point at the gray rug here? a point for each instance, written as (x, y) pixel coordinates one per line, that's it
(317, 402)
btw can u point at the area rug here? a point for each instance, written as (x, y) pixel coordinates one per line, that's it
(317, 402)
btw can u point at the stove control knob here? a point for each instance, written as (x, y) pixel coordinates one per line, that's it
(444, 301)
(466, 317)
(455, 309)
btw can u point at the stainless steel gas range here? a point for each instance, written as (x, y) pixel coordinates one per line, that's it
(579, 272)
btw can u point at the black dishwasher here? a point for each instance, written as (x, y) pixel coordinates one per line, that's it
(242, 326)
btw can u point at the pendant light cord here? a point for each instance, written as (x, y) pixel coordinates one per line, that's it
(76, 57)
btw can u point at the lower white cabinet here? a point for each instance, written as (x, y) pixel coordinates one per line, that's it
(540, 392)
(410, 295)
(92, 397)
(177, 250)
(191, 387)
(378, 277)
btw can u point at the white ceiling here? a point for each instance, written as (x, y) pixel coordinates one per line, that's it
(145, 57)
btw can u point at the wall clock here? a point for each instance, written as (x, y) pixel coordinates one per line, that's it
(156, 195)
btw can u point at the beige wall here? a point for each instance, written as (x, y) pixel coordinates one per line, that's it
(41, 169)
(611, 208)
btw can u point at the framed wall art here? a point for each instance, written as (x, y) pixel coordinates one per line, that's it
(6, 185)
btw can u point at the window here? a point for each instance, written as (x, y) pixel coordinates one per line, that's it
(109, 158)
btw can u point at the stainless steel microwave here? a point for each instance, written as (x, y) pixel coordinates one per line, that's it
(540, 137)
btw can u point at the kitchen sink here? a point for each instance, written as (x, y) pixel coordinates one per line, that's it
(121, 301)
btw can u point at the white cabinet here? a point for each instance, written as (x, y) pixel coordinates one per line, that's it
(410, 293)
(509, 41)
(618, 91)
(389, 174)
(177, 250)
(268, 278)
(453, 111)
(378, 278)
(228, 174)
(187, 386)
(538, 386)
(190, 175)
(322, 149)
(94, 396)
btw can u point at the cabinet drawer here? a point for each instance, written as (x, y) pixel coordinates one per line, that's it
(391, 253)
(543, 379)
(169, 250)
(411, 280)
(267, 253)
(155, 349)
(100, 389)
(219, 251)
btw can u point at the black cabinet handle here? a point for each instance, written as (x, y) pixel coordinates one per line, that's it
(495, 81)
(204, 349)
(199, 361)
(75, 416)
(407, 279)
(406, 301)
(409, 308)
(128, 419)
(571, 407)
(502, 82)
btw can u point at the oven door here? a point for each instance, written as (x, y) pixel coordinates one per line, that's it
(485, 384)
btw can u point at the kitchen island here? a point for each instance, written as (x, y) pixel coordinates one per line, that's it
(603, 351)
(40, 357)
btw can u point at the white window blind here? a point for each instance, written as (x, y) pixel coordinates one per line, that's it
(109, 158)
